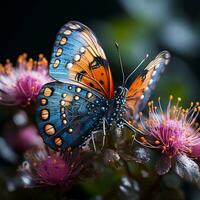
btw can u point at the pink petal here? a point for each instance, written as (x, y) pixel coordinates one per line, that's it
(196, 151)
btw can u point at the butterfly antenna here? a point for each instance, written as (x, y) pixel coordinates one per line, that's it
(120, 61)
(147, 55)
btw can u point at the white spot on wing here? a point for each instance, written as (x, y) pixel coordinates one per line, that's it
(62, 103)
(76, 98)
(64, 121)
(146, 88)
(67, 32)
(154, 73)
(69, 65)
(82, 49)
(72, 26)
(77, 57)
(78, 89)
(151, 81)
(157, 66)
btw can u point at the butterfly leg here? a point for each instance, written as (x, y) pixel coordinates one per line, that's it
(135, 130)
(132, 128)
(93, 141)
(104, 132)
(129, 126)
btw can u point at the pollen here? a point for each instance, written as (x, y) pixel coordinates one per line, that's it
(157, 142)
(142, 139)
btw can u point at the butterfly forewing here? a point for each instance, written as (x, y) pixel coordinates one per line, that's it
(141, 88)
(77, 56)
(67, 114)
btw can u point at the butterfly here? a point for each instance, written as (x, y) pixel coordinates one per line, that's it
(82, 98)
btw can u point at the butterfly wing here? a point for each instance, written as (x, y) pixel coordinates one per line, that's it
(140, 90)
(77, 56)
(67, 114)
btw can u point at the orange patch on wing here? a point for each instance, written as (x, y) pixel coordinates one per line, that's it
(93, 76)
(137, 84)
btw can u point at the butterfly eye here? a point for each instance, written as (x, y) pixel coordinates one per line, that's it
(119, 90)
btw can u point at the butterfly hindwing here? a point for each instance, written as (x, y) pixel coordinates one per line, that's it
(141, 88)
(77, 56)
(67, 114)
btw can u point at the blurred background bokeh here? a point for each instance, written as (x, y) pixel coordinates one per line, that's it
(140, 27)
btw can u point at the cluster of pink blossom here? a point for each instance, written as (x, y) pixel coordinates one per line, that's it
(21, 84)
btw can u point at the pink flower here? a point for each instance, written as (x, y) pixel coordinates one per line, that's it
(172, 133)
(49, 168)
(21, 84)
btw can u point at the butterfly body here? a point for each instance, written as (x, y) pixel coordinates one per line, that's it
(82, 97)
(116, 107)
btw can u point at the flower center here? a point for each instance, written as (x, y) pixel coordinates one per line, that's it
(27, 88)
(53, 171)
(169, 136)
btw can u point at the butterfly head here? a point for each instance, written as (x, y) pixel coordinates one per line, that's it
(121, 91)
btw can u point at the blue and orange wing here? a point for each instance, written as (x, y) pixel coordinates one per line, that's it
(141, 88)
(78, 57)
(67, 113)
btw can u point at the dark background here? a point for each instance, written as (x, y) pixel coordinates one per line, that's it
(31, 26)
